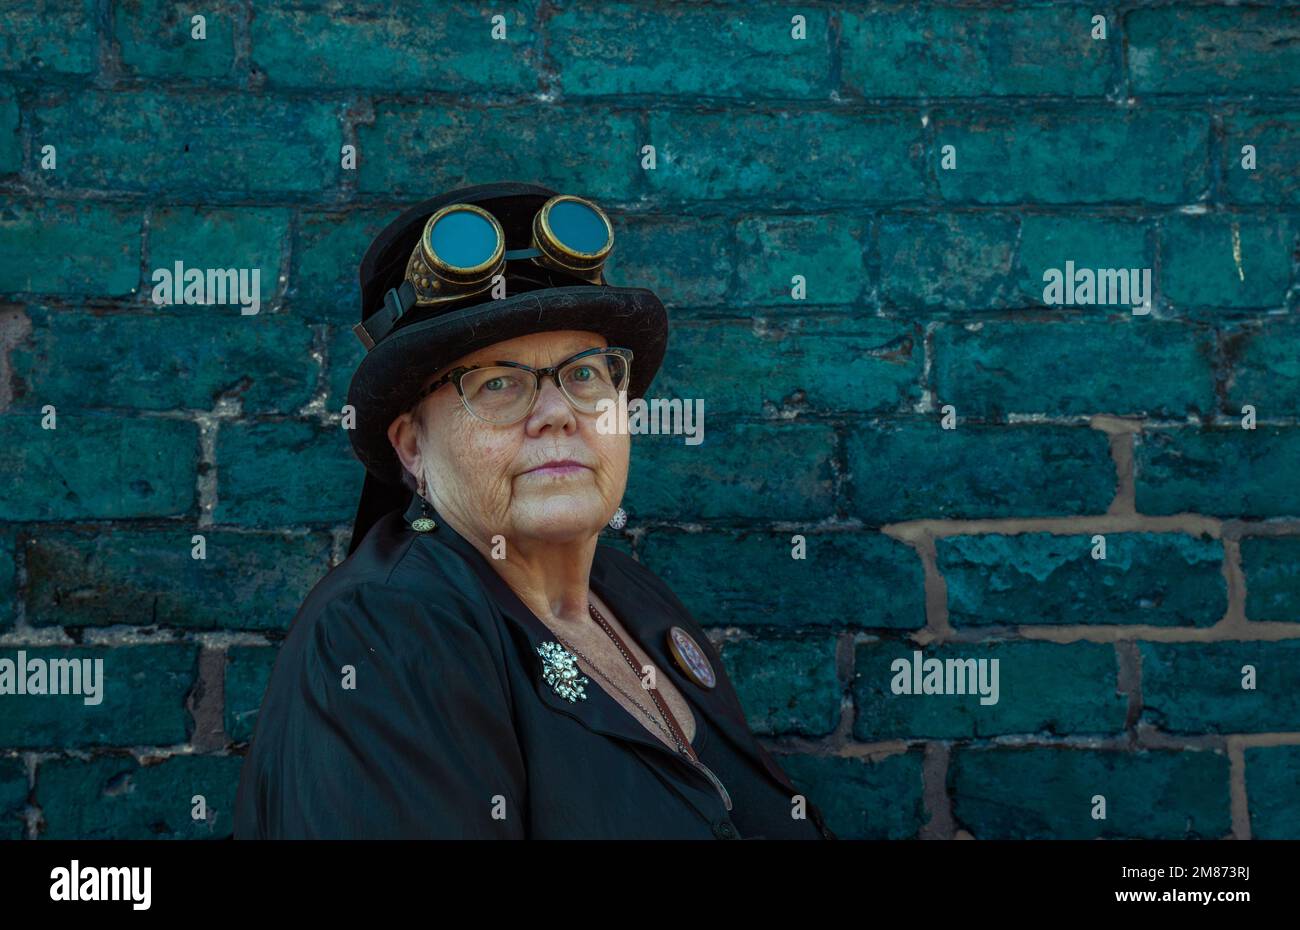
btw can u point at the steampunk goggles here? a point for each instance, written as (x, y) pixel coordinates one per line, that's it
(462, 250)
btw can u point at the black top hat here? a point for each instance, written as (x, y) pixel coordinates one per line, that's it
(412, 341)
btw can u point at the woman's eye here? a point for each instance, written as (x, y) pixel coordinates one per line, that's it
(583, 373)
(499, 383)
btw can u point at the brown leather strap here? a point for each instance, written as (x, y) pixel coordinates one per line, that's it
(654, 692)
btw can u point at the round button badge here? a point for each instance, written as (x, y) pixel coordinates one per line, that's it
(691, 658)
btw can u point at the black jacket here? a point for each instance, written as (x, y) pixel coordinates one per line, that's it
(450, 720)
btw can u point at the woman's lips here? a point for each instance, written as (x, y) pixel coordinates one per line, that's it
(560, 468)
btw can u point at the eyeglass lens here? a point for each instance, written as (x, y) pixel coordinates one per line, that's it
(502, 394)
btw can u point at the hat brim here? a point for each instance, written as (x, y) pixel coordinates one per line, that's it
(394, 370)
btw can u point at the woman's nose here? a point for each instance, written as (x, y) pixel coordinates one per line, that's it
(550, 399)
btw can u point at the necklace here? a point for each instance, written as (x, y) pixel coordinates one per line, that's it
(684, 748)
(681, 744)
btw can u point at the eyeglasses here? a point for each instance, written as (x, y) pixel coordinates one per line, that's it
(504, 392)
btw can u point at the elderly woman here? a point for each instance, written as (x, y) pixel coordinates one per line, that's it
(479, 667)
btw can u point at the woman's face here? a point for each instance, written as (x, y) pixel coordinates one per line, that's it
(478, 474)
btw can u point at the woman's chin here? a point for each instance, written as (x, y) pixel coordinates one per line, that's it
(560, 517)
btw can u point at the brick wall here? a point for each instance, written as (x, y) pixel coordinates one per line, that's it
(824, 157)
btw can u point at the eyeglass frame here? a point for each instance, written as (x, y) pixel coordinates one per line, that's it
(552, 371)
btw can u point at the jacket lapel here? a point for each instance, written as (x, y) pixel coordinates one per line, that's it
(647, 616)
(648, 619)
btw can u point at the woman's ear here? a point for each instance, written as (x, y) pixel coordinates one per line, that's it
(404, 434)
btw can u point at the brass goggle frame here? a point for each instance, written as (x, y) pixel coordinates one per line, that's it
(435, 281)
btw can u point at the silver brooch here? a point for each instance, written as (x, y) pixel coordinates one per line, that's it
(560, 669)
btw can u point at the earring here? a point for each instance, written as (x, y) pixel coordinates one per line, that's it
(424, 522)
(619, 520)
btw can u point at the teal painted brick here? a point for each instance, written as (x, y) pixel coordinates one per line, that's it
(589, 151)
(1041, 688)
(262, 481)
(685, 260)
(977, 471)
(324, 283)
(962, 52)
(682, 50)
(995, 368)
(56, 36)
(1271, 565)
(1041, 793)
(1197, 687)
(114, 797)
(211, 144)
(849, 364)
(155, 37)
(855, 580)
(746, 470)
(94, 467)
(863, 799)
(345, 354)
(1213, 50)
(786, 686)
(248, 670)
(202, 237)
(1160, 579)
(1082, 154)
(948, 262)
(90, 249)
(1229, 472)
(1265, 368)
(79, 361)
(1215, 262)
(149, 577)
(11, 144)
(13, 798)
(1276, 138)
(827, 155)
(828, 250)
(8, 578)
(142, 691)
(415, 47)
(1272, 786)
(1093, 242)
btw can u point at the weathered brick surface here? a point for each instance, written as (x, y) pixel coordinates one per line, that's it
(244, 581)
(142, 700)
(787, 685)
(1221, 687)
(1039, 578)
(855, 580)
(1040, 793)
(850, 212)
(1042, 688)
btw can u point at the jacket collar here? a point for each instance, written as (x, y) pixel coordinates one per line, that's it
(647, 620)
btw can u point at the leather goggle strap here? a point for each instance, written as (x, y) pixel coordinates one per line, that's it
(398, 300)
(380, 323)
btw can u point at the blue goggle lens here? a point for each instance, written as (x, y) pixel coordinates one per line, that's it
(463, 239)
(578, 226)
